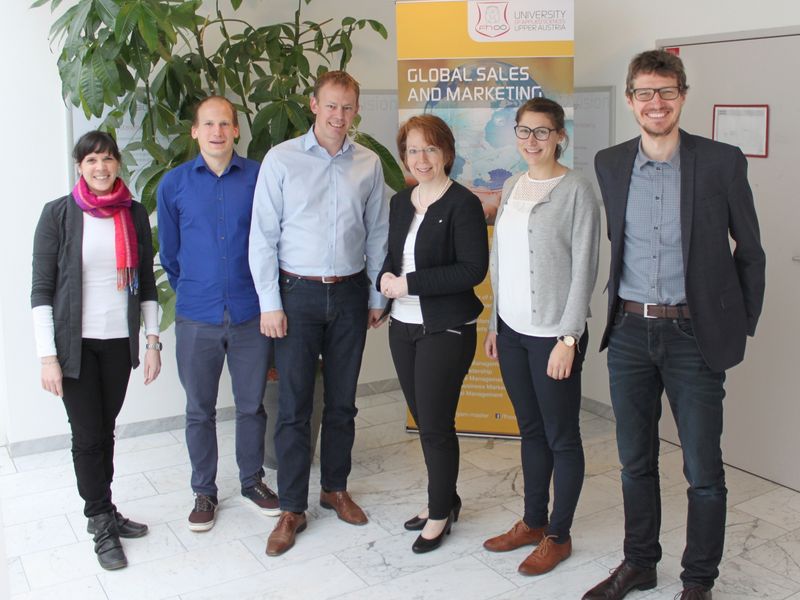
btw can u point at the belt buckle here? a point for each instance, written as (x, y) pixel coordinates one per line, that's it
(646, 314)
(328, 279)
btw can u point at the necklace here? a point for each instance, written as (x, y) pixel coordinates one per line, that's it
(438, 195)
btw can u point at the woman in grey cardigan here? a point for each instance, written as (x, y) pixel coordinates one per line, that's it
(549, 216)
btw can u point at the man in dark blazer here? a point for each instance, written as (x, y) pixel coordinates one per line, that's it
(680, 306)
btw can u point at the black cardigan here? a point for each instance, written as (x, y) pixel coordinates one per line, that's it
(58, 277)
(451, 255)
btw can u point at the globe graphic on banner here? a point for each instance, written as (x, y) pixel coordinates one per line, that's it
(486, 150)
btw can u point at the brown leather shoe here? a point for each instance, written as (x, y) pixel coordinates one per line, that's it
(623, 579)
(546, 556)
(347, 510)
(516, 537)
(282, 537)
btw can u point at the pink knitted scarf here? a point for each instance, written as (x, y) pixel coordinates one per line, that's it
(115, 204)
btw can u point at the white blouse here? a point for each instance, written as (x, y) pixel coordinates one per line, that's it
(513, 257)
(407, 309)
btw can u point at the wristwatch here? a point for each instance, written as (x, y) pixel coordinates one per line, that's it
(569, 341)
(154, 346)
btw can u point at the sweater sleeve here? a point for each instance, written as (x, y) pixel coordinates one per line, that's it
(585, 253)
(45, 259)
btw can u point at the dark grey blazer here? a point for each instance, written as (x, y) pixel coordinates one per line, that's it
(724, 289)
(58, 279)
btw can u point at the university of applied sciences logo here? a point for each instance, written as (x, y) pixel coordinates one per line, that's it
(492, 19)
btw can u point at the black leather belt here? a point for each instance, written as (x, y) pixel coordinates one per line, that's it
(656, 311)
(321, 278)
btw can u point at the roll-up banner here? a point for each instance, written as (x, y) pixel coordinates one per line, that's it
(473, 63)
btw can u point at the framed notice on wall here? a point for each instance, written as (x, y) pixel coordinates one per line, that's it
(743, 125)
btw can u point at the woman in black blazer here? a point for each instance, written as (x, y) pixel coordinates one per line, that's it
(438, 252)
(92, 282)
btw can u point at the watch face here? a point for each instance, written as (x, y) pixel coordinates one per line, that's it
(568, 340)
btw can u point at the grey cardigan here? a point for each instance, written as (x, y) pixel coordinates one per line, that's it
(58, 281)
(564, 240)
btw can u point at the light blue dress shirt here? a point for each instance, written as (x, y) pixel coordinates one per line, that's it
(315, 214)
(652, 267)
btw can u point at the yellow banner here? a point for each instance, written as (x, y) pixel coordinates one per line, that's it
(474, 63)
(441, 29)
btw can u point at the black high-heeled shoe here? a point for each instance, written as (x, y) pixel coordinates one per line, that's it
(417, 523)
(422, 545)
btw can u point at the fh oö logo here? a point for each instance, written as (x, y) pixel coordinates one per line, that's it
(492, 19)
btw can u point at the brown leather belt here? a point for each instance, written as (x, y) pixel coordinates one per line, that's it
(656, 311)
(321, 278)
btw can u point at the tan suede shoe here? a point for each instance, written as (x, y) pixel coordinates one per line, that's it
(546, 556)
(516, 537)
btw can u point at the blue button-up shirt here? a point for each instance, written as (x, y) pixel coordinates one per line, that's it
(652, 269)
(203, 232)
(321, 215)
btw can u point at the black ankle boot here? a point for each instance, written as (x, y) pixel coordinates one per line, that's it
(106, 542)
(125, 527)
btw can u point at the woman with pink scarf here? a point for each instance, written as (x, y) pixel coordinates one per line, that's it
(92, 283)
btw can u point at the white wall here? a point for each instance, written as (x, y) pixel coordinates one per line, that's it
(35, 168)
(607, 35)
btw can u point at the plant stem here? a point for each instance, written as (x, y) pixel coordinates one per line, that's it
(198, 36)
(242, 96)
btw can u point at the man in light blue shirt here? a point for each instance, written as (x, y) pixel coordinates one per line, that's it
(317, 241)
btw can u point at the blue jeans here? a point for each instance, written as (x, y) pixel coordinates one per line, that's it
(201, 349)
(328, 320)
(548, 415)
(645, 358)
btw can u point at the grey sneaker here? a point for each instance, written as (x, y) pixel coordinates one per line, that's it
(204, 513)
(264, 498)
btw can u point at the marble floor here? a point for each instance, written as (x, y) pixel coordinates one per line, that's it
(50, 554)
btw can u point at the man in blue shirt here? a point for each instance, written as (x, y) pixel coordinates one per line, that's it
(320, 222)
(204, 211)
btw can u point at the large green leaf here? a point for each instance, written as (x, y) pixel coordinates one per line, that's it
(297, 116)
(77, 22)
(107, 10)
(392, 173)
(126, 21)
(279, 124)
(148, 29)
(106, 72)
(91, 87)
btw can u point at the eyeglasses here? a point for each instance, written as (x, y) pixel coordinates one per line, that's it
(647, 94)
(540, 133)
(429, 150)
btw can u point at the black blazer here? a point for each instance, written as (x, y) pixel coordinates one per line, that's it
(58, 277)
(724, 290)
(451, 255)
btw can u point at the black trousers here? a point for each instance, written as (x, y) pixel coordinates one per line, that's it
(93, 401)
(548, 414)
(431, 368)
